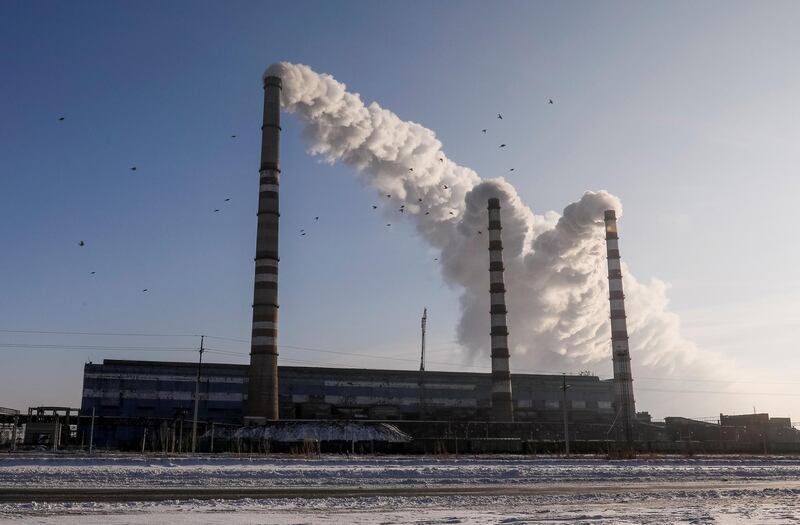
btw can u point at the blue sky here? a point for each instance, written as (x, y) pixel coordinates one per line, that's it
(688, 112)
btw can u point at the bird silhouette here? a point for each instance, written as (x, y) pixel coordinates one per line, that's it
(420, 200)
(60, 118)
(144, 290)
(480, 232)
(445, 186)
(502, 145)
(410, 169)
(388, 196)
(81, 243)
(388, 224)
(302, 230)
(226, 200)
(512, 169)
(451, 213)
(435, 258)
(302, 234)
(316, 218)
(92, 273)
(500, 116)
(374, 207)
(483, 130)
(233, 136)
(427, 213)
(133, 168)
(550, 101)
(441, 160)
(402, 210)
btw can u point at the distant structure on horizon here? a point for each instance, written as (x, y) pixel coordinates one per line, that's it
(262, 399)
(623, 379)
(502, 405)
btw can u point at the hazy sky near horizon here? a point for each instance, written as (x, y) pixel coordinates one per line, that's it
(688, 112)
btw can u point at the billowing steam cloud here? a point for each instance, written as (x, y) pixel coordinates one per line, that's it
(555, 265)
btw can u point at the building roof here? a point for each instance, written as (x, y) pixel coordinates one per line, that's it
(335, 370)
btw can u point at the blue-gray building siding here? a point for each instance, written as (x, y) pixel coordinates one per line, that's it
(152, 389)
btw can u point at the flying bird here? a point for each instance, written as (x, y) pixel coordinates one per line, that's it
(500, 116)
(550, 101)
(233, 136)
(402, 210)
(480, 232)
(92, 273)
(451, 213)
(388, 224)
(410, 169)
(512, 169)
(81, 243)
(483, 130)
(420, 200)
(144, 290)
(226, 200)
(502, 145)
(60, 118)
(435, 258)
(302, 234)
(427, 213)
(388, 196)
(441, 160)
(316, 218)
(133, 168)
(374, 207)
(445, 186)
(215, 211)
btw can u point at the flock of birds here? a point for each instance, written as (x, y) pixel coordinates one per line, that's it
(303, 231)
(402, 208)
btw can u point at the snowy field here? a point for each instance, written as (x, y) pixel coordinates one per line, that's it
(539, 490)
(217, 471)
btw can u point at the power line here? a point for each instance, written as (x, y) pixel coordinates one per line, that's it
(57, 332)
(728, 393)
(99, 347)
(337, 352)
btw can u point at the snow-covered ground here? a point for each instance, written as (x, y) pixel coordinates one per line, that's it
(696, 507)
(258, 471)
(728, 490)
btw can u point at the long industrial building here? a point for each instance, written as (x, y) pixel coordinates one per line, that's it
(132, 390)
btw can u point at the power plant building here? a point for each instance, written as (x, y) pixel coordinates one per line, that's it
(131, 390)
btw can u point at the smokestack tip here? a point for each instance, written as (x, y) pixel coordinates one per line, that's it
(494, 203)
(272, 81)
(611, 215)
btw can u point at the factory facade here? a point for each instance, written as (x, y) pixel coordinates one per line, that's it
(129, 391)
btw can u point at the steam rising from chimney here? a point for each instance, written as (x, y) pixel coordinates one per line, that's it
(557, 293)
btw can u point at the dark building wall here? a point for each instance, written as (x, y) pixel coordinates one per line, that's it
(137, 389)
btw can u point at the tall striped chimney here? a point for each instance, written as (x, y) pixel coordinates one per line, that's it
(623, 379)
(262, 402)
(502, 408)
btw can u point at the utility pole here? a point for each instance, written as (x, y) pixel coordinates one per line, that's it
(564, 387)
(423, 325)
(56, 431)
(197, 396)
(14, 433)
(91, 434)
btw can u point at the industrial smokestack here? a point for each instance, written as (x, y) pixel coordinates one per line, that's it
(502, 408)
(262, 403)
(623, 379)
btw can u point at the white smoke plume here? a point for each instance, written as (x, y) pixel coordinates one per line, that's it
(555, 264)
